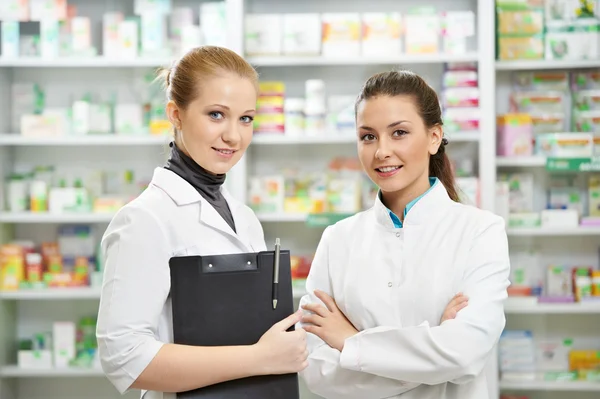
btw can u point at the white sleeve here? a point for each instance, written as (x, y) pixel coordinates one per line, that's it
(324, 375)
(457, 350)
(134, 291)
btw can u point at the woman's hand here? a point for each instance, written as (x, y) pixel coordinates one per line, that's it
(457, 303)
(328, 323)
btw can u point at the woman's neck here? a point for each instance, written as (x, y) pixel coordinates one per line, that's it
(396, 201)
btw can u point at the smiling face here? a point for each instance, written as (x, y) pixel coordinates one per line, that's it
(215, 129)
(394, 144)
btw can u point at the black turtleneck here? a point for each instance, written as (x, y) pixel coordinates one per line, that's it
(207, 184)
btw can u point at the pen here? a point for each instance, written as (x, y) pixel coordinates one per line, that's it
(276, 273)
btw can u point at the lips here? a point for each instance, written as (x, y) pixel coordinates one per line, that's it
(224, 151)
(388, 169)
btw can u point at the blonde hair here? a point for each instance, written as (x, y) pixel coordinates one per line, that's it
(183, 80)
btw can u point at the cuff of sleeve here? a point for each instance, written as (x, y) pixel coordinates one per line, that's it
(130, 373)
(349, 359)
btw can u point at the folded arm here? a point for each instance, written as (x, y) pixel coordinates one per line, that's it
(457, 350)
(324, 375)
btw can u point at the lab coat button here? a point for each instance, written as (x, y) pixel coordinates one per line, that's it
(397, 234)
(390, 284)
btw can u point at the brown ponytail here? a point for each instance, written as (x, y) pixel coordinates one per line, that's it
(396, 83)
(440, 167)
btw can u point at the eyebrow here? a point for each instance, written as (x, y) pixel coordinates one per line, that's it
(391, 125)
(228, 109)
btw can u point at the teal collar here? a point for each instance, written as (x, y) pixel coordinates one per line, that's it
(395, 219)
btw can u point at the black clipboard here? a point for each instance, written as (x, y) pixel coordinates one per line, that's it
(222, 300)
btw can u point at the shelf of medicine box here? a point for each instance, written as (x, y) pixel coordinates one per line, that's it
(553, 231)
(524, 161)
(47, 217)
(310, 219)
(522, 65)
(57, 294)
(277, 61)
(540, 385)
(19, 372)
(84, 140)
(282, 139)
(85, 62)
(530, 305)
(67, 293)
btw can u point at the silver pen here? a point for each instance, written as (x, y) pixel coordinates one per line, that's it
(276, 273)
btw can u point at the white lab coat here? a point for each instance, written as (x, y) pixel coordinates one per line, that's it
(394, 284)
(170, 218)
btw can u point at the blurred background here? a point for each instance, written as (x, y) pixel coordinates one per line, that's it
(82, 127)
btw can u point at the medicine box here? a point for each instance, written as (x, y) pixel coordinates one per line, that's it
(341, 34)
(128, 38)
(110, 34)
(10, 38)
(515, 135)
(64, 335)
(422, 31)
(264, 34)
(381, 34)
(302, 34)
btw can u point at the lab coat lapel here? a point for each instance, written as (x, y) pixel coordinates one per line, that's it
(184, 195)
(240, 218)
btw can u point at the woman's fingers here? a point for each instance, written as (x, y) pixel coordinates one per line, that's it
(313, 319)
(327, 300)
(316, 308)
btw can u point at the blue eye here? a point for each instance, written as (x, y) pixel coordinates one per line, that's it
(246, 119)
(216, 115)
(368, 137)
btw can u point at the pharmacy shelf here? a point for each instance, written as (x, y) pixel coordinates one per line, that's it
(51, 294)
(39, 217)
(278, 61)
(84, 140)
(282, 217)
(554, 232)
(584, 386)
(528, 306)
(55, 294)
(19, 372)
(545, 65)
(281, 139)
(87, 62)
(521, 162)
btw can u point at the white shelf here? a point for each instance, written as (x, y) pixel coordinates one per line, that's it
(527, 306)
(281, 139)
(584, 386)
(39, 217)
(553, 232)
(18, 372)
(277, 61)
(51, 294)
(546, 64)
(459, 137)
(282, 217)
(526, 162)
(85, 62)
(95, 140)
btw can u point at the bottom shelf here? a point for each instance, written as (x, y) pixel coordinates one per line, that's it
(540, 385)
(20, 372)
